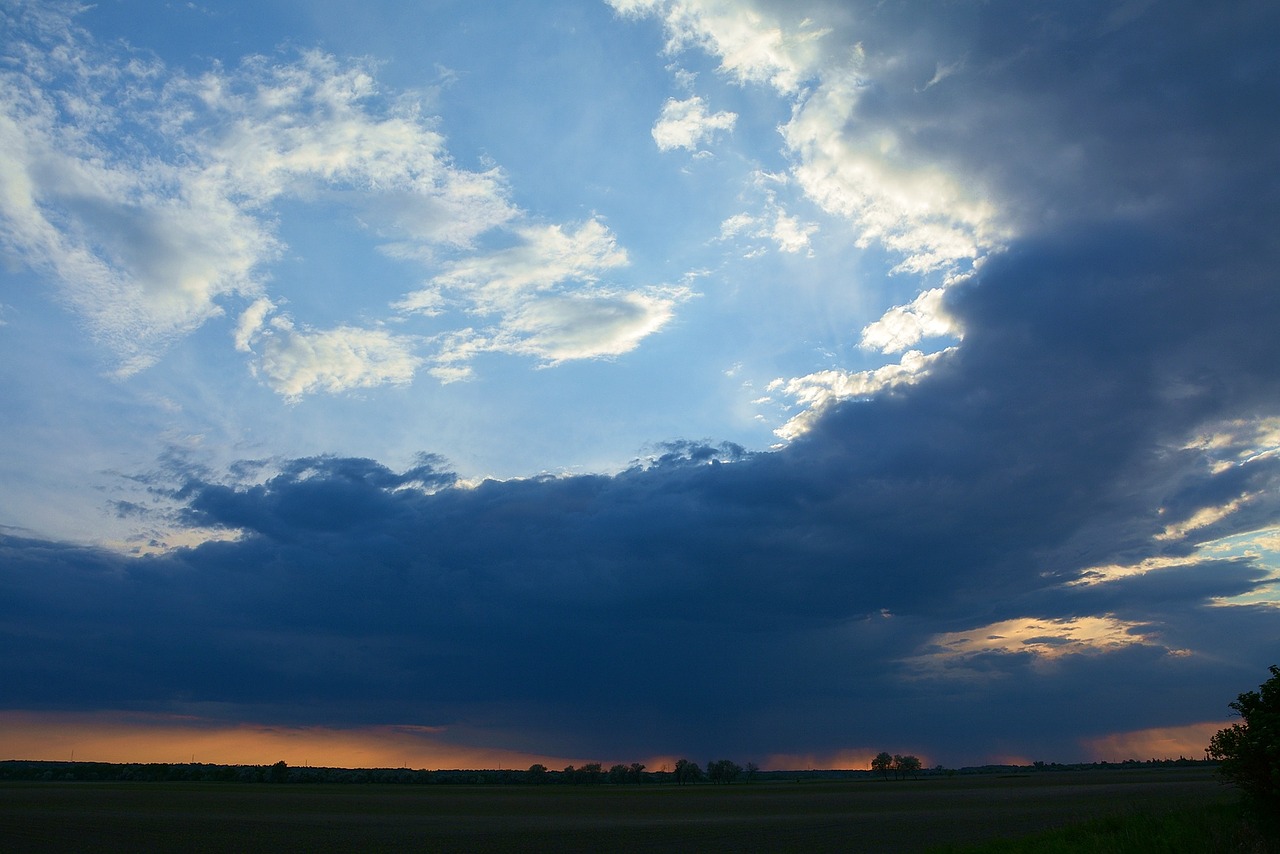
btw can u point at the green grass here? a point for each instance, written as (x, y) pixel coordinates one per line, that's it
(1207, 828)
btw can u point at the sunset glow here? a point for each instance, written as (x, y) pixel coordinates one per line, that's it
(134, 738)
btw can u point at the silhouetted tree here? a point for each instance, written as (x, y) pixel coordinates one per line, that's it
(537, 773)
(589, 773)
(687, 772)
(907, 765)
(882, 763)
(1250, 750)
(724, 771)
(618, 774)
(752, 768)
(635, 774)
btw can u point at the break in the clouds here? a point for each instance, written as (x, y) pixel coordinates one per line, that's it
(1017, 340)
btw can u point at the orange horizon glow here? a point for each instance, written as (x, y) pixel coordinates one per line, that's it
(125, 738)
(132, 738)
(1174, 742)
(856, 759)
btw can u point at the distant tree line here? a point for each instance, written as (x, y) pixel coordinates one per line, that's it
(721, 771)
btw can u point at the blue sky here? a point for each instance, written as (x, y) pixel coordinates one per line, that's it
(811, 361)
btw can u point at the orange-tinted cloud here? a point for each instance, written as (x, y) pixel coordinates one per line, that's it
(124, 737)
(852, 758)
(1156, 743)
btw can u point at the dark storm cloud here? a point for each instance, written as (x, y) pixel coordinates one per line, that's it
(721, 601)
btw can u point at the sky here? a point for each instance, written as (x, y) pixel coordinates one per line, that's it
(451, 384)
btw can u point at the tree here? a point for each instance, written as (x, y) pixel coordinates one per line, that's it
(537, 773)
(907, 765)
(724, 771)
(752, 768)
(882, 763)
(687, 772)
(1250, 750)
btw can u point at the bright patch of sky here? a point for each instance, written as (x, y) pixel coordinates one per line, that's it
(536, 241)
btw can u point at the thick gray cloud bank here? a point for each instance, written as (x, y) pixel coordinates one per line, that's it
(1074, 471)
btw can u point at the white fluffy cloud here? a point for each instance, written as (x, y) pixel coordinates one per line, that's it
(686, 124)
(904, 325)
(817, 391)
(297, 362)
(752, 45)
(893, 197)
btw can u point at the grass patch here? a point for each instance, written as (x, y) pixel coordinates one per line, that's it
(1208, 828)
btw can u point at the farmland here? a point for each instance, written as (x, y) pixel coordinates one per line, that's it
(858, 815)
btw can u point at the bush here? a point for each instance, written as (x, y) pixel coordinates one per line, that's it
(1250, 750)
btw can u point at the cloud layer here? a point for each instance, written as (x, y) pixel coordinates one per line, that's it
(1056, 537)
(919, 548)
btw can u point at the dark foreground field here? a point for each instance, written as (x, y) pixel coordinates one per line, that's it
(813, 816)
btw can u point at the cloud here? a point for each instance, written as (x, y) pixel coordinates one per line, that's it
(141, 263)
(543, 257)
(545, 297)
(686, 124)
(251, 322)
(904, 325)
(773, 222)
(1113, 404)
(819, 391)
(847, 158)
(147, 242)
(1189, 741)
(942, 176)
(1039, 640)
(295, 361)
(788, 590)
(752, 45)
(583, 326)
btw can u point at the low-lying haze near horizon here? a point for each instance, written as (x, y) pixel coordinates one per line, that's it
(473, 384)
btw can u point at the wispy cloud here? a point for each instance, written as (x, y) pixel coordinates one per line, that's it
(150, 241)
(545, 297)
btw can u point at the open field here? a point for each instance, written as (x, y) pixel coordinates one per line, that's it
(774, 816)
